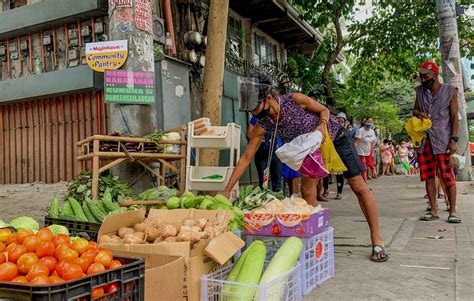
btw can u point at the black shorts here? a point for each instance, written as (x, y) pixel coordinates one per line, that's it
(345, 147)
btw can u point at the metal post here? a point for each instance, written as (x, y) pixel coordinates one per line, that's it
(452, 74)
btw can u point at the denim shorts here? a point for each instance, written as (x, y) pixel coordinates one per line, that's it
(345, 147)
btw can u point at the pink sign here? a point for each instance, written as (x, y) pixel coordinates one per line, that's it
(143, 15)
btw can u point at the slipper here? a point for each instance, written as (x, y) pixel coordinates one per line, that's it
(426, 196)
(429, 217)
(379, 250)
(441, 196)
(338, 197)
(454, 219)
(322, 199)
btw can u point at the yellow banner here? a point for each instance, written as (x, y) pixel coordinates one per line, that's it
(110, 55)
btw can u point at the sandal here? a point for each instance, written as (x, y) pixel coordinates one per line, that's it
(379, 250)
(429, 217)
(338, 197)
(322, 199)
(454, 219)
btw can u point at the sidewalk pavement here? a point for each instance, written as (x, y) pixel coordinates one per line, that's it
(419, 268)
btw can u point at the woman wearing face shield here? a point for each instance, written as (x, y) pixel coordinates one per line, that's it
(298, 114)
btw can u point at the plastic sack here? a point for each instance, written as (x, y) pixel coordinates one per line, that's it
(457, 161)
(331, 158)
(416, 129)
(288, 173)
(406, 166)
(313, 166)
(293, 153)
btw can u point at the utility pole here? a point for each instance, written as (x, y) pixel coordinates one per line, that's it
(452, 74)
(214, 70)
(130, 20)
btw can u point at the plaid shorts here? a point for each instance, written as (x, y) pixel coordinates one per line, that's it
(430, 163)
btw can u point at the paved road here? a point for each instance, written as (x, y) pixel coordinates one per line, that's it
(419, 268)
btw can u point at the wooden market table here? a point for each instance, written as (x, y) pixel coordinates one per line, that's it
(89, 149)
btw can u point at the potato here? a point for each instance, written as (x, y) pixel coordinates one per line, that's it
(171, 239)
(189, 222)
(151, 234)
(158, 240)
(196, 229)
(105, 239)
(151, 221)
(140, 235)
(132, 239)
(141, 227)
(185, 236)
(167, 230)
(201, 223)
(122, 231)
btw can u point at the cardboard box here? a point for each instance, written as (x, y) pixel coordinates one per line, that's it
(199, 260)
(163, 275)
(286, 225)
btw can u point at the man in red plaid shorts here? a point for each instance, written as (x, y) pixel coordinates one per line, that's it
(439, 103)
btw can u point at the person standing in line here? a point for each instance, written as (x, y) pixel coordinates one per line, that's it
(376, 154)
(392, 151)
(364, 142)
(386, 157)
(437, 102)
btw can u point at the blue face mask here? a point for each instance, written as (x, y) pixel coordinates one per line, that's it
(369, 126)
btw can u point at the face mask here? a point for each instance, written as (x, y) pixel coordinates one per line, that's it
(428, 84)
(368, 126)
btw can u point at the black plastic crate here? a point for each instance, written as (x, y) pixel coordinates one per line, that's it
(87, 230)
(130, 278)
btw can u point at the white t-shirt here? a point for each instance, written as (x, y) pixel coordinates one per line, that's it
(367, 138)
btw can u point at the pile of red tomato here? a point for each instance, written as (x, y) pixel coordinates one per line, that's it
(44, 258)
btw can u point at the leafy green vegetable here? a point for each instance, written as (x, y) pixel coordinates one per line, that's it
(58, 229)
(24, 222)
(3, 224)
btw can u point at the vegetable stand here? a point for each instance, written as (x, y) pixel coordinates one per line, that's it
(108, 151)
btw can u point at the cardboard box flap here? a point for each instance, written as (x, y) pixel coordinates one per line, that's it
(178, 215)
(223, 247)
(112, 222)
(172, 249)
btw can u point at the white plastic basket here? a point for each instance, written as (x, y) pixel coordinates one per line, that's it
(197, 173)
(287, 287)
(225, 137)
(317, 259)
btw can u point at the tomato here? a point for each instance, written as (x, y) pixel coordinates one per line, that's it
(80, 245)
(8, 271)
(69, 255)
(45, 248)
(95, 268)
(22, 234)
(59, 239)
(89, 256)
(61, 267)
(20, 279)
(73, 271)
(3, 258)
(107, 251)
(2, 246)
(50, 262)
(40, 280)
(44, 234)
(111, 288)
(83, 262)
(36, 270)
(31, 242)
(55, 279)
(104, 258)
(93, 245)
(4, 234)
(97, 292)
(15, 253)
(26, 261)
(115, 264)
(10, 246)
(11, 239)
(60, 250)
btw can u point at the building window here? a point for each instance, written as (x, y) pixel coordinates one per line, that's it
(235, 36)
(265, 52)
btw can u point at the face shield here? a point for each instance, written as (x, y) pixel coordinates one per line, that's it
(251, 92)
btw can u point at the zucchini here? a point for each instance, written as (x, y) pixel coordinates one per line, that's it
(77, 209)
(54, 208)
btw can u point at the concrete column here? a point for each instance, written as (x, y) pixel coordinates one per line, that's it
(452, 74)
(214, 70)
(136, 120)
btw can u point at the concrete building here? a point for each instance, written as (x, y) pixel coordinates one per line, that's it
(50, 98)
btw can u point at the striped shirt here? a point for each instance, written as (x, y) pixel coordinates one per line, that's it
(437, 107)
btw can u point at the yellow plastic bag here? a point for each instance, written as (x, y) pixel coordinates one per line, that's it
(331, 158)
(416, 129)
